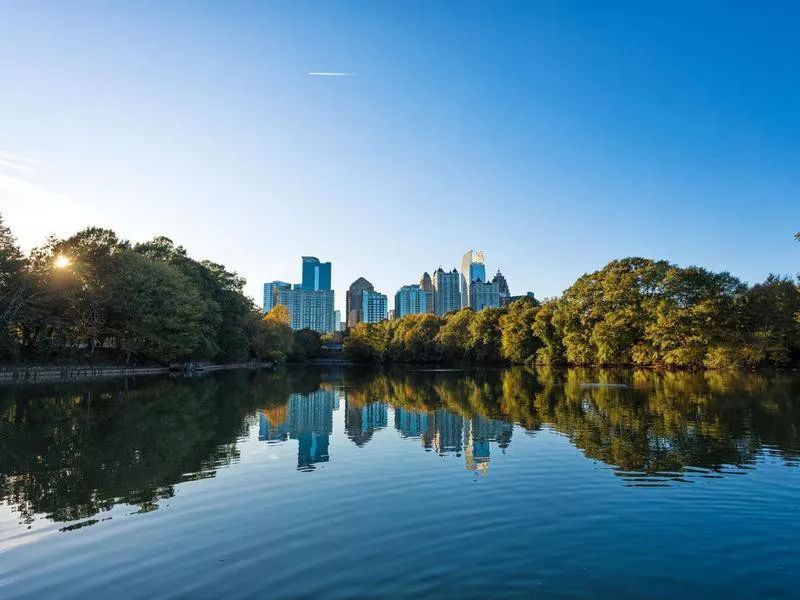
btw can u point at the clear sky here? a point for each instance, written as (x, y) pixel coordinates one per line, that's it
(555, 136)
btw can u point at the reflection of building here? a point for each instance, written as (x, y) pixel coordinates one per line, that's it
(478, 433)
(271, 293)
(307, 418)
(449, 431)
(360, 422)
(415, 424)
(446, 293)
(473, 268)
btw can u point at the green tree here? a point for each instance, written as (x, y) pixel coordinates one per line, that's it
(154, 308)
(519, 344)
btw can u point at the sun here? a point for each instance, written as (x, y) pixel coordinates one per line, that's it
(62, 261)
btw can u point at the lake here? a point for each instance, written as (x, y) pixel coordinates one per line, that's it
(323, 482)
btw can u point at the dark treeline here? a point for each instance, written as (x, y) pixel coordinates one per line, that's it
(95, 297)
(634, 311)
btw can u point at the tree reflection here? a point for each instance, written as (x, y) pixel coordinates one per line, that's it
(72, 451)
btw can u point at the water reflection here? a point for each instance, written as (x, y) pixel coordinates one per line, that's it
(71, 452)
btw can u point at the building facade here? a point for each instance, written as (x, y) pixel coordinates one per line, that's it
(337, 320)
(426, 285)
(309, 309)
(271, 293)
(374, 307)
(311, 303)
(505, 293)
(354, 311)
(409, 300)
(446, 291)
(484, 295)
(316, 274)
(473, 268)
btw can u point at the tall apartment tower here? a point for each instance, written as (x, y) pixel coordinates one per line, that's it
(374, 307)
(271, 293)
(311, 303)
(409, 300)
(426, 285)
(505, 293)
(354, 311)
(484, 295)
(316, 274)
(473, 268)
(446, 292)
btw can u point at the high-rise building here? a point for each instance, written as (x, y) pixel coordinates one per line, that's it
(391, 314)
(271, 293)
(446, 292)
(473, 268)
(311, 304)
(337, 320)
(309, 309)
(373, 307)
(484, 295)
(354, 311)
(409, 300)
(505, 293)
(426, 285)
(316, 274)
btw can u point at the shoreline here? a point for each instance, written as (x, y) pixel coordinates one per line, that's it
(12, 375)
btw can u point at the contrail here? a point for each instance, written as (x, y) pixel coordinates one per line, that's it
(329, 74)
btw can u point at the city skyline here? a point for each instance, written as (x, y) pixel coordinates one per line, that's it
(580, 135)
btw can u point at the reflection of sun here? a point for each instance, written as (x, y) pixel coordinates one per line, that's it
(61, 261)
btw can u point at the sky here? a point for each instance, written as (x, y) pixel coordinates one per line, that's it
(555, 136)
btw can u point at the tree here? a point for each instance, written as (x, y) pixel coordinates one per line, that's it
(307, 344)
(454, 335)
(153, 308)
(12, 288)
(518, 343)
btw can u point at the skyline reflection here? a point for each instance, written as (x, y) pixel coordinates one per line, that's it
(62, 452)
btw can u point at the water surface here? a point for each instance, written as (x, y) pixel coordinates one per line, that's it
(326, 483)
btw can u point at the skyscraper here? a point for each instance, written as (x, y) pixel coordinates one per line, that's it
(505, 293)
(311, 303)
(337, 320)
(354, 311)
(373, 307)
(446, 293)
(271, 293)
(309, 309)
(484, 295)
(316, 274)
(409, 300)
(473, 268)
(426, 286)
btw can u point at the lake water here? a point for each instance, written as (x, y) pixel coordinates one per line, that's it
(330, 483)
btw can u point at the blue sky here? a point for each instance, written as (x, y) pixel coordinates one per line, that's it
(555, 136)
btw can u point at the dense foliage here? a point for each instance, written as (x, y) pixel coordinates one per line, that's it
(93, 296)
(634, 311)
